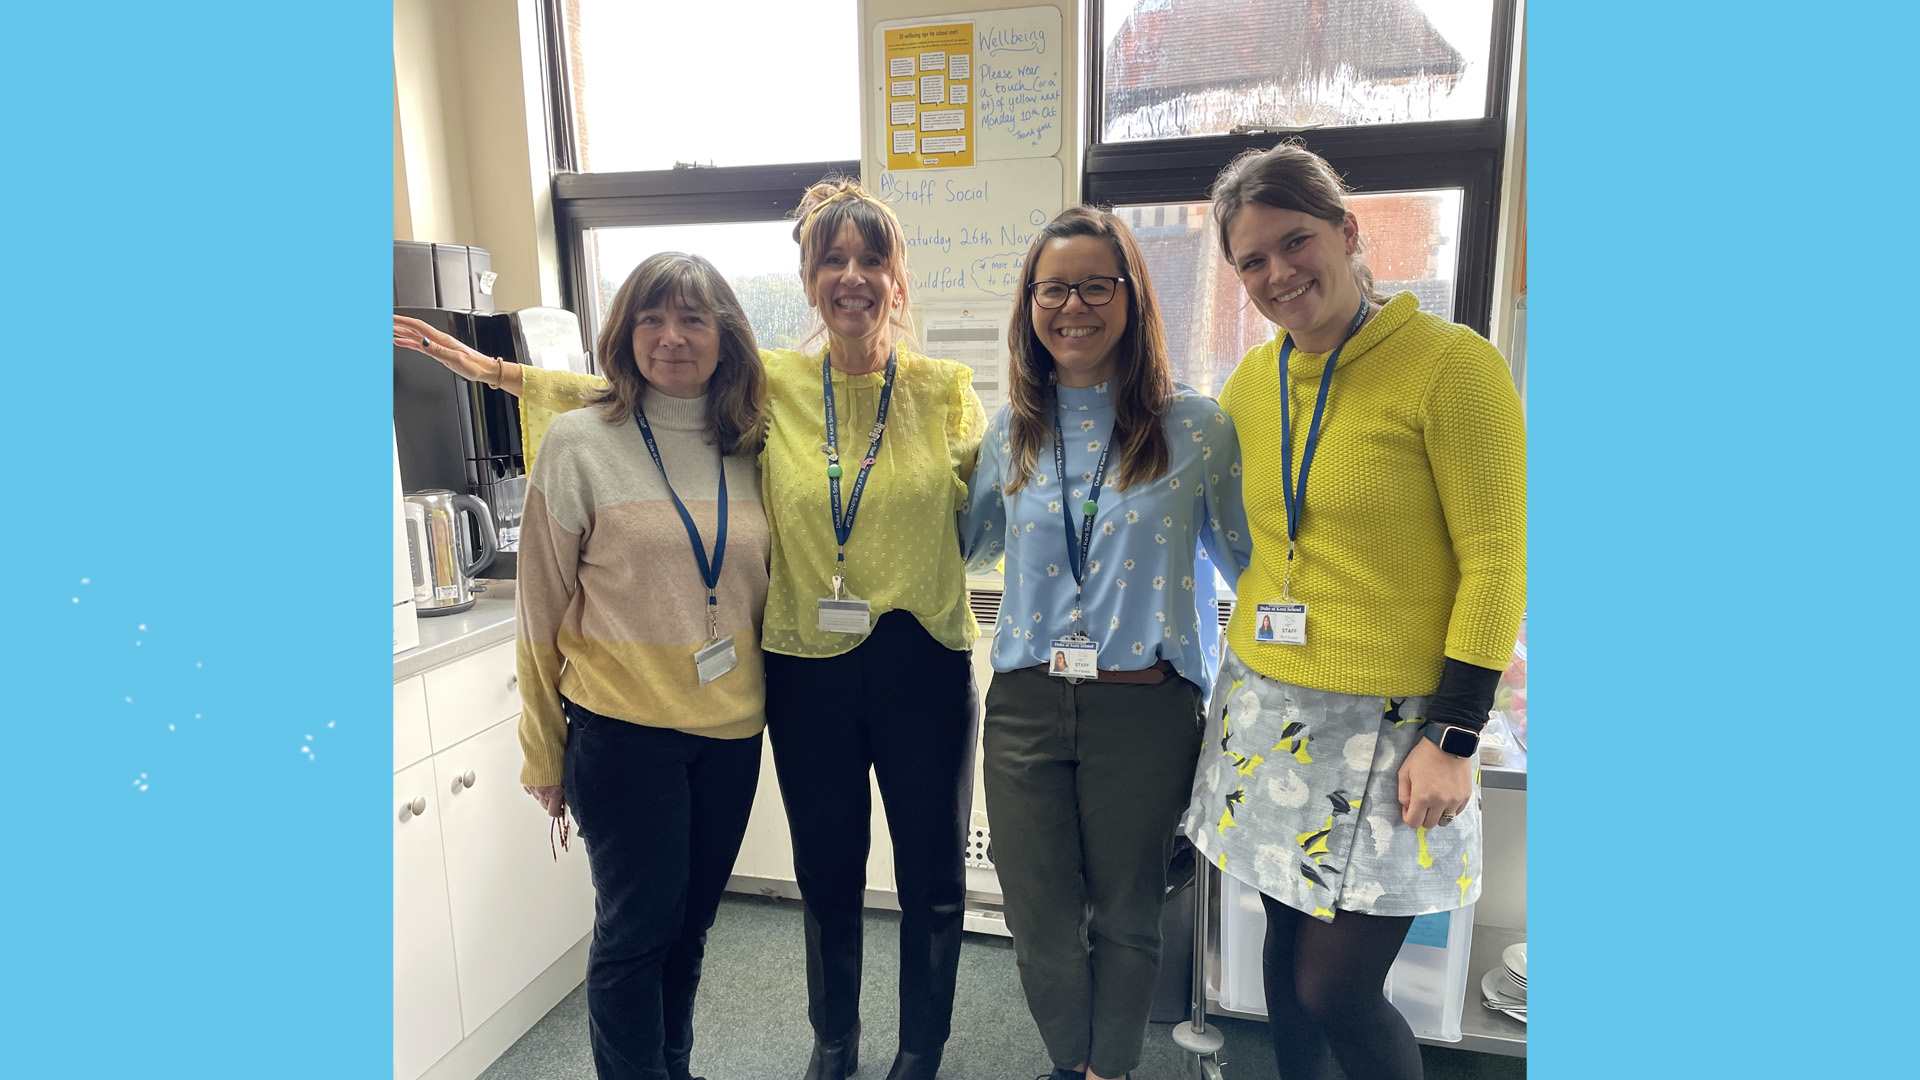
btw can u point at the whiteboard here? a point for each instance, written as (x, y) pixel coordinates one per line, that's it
(968, 229)
(1018, 85)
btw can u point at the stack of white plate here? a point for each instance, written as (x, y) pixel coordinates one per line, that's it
(1505, 987)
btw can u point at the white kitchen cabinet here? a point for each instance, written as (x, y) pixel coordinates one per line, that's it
(471, 694)
(411, 743)
(426, 995)
(515, 907)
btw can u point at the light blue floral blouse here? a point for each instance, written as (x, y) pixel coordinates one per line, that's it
(1144, 601)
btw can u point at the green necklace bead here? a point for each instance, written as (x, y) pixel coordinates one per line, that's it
(833, 470)
(1090, 506)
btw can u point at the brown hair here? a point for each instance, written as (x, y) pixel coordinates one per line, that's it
(1143, 377)
(1288, 177)
(823, 209)
(737, 393)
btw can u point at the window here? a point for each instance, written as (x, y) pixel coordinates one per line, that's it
(654, 150)
(1176, 68)
(1406, 98)
(758, 258)
(1411, 240)
(645, 94)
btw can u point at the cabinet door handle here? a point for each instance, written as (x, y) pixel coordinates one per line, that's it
(464, 780)
(414, 809)
(513, 682)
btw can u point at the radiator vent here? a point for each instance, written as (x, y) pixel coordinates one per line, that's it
(986, 606)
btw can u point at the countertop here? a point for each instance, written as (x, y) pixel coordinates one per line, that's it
(449, 637)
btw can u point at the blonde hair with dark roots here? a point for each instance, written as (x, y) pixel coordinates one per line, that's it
(1142, 378)
(737, 393)
(1288, 177)
(832, 203)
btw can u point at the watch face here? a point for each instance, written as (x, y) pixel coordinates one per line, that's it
(1459, 742)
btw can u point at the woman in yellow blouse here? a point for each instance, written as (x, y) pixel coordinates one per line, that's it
(868, 633)
(1369, 631)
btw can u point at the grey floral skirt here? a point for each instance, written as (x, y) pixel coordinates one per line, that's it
(1297, 795)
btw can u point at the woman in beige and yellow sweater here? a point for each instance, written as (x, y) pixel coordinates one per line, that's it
(643, 578)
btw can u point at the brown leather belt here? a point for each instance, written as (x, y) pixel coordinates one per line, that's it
(1152, 676)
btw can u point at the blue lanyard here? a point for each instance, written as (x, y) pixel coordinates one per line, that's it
(843, 526)
(1078, 542)
(709, 570)
(1297, 499)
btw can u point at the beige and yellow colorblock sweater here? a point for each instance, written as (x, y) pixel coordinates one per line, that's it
(610, 602)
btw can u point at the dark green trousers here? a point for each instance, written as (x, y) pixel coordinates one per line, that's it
(1085, 784)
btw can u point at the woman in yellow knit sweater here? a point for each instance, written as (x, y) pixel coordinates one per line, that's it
(867, 634)
(1370, 629)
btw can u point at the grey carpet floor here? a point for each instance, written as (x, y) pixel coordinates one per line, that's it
(750, 1021)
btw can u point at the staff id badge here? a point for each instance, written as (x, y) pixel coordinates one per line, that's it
(714, 659)
(1074, 658)
(1280, 624)
(845, 616)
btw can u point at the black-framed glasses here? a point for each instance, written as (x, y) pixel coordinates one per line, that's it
(1095, 291)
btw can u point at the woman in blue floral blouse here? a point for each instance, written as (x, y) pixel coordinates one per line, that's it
(1099, 482)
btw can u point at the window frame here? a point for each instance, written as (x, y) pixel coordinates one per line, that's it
(1373, 159)
(1463, 154)
(685, 195)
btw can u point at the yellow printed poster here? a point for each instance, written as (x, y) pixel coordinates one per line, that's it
(929, 102)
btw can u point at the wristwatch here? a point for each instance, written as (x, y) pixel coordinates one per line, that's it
(1458, 741)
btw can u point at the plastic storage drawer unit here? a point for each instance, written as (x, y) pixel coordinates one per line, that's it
(1427, 983)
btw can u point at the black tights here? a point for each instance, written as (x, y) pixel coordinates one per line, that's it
(1325, 1001)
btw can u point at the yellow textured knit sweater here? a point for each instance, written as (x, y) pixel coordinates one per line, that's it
(1413, 544)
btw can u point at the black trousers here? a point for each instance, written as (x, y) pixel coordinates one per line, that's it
(902, 705)
(662, 814)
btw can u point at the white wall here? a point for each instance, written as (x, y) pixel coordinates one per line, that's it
(470, 150)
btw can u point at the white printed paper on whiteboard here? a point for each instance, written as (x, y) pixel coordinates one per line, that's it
(933, 61)
(943, 144)
(902, 88)
(903, 112)
(960, 67)
(903, 141)
(957, 93)
(901, 67)
(942, 120)
(975, 334)
(933, 89)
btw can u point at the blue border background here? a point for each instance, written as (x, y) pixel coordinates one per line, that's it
(199, 218)
(200, 213)
(1722, 536)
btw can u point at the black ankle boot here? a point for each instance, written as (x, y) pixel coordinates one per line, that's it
(835, 1060)
(915, 1064)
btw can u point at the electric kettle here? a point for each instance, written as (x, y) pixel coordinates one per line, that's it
(436, 547)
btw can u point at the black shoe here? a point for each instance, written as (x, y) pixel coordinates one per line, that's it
(915, 1064)
(835, 1060)
(1063, 1074)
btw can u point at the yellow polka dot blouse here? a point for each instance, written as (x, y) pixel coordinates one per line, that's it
(904, 554)
(1412, 546)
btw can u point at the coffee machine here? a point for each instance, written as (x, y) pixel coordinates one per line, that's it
(464, 436)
